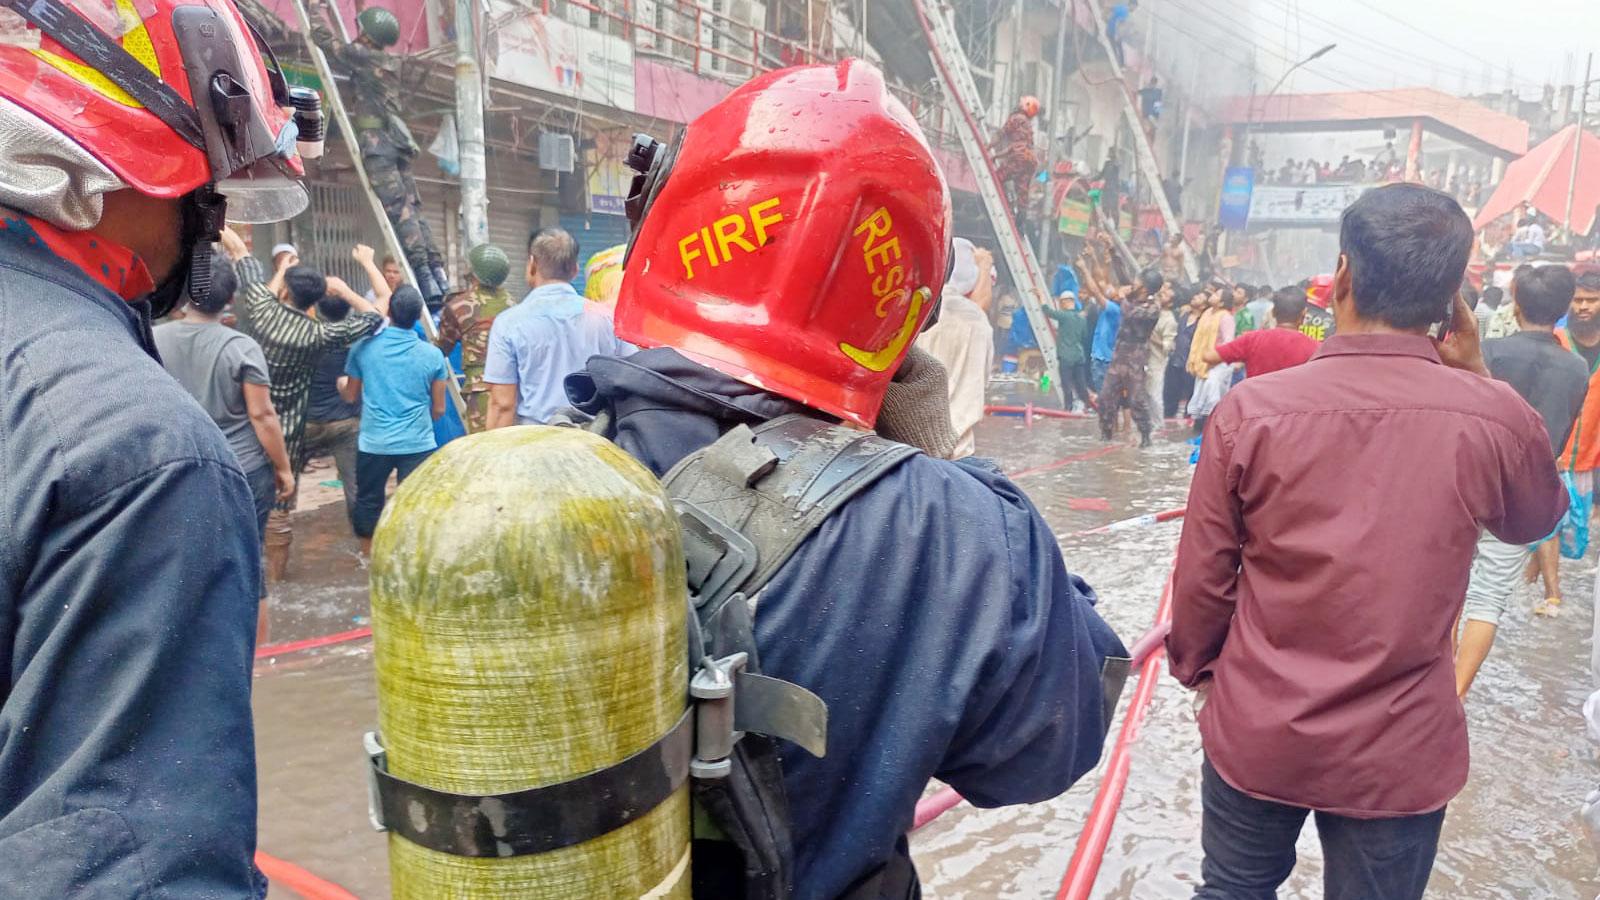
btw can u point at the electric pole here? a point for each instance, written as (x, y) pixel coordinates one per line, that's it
(1577, 147)
(469, 130)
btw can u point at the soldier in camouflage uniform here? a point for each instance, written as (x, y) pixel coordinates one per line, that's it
(466, 319)
(1125, 385)
(387, 147)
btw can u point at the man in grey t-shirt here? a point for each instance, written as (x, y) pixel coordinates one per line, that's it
(226, 372)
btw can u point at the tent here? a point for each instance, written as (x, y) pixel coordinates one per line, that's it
(1542, 179)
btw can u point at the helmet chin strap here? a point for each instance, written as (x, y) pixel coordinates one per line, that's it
(204, 213)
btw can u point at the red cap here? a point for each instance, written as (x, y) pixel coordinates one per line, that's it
(799, 241)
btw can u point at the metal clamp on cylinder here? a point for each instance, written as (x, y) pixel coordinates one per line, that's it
(712, 690)
(377, 760)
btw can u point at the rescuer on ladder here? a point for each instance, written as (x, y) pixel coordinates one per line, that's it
(778, 277)
(382, 136)
(129, 545)
(1015, 158)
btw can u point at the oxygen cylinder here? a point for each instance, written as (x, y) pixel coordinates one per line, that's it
(529, 617)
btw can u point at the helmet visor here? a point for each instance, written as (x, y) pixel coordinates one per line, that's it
(262, 194)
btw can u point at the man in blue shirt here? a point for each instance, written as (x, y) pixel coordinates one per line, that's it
(1115, 20)
(548, 336)
(544, 338)
(1105, 341)
(400, 380)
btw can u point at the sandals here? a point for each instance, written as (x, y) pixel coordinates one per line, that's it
(1549, 608)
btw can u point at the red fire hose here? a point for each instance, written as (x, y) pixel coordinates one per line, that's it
(1086, 857)
(1166, 515)
(299, 880)
(355, 634)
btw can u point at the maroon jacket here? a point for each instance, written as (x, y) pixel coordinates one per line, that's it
(1324, 559)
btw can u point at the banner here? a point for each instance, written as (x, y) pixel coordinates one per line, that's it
(549, 54)
(609, 176)
(1236, 187)
(1302, 204)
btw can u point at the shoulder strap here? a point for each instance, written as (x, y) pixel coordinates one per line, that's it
(774, 485)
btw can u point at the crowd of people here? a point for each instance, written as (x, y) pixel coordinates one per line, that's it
(1469, 184)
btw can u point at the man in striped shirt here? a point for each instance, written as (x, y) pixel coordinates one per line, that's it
(277, 317)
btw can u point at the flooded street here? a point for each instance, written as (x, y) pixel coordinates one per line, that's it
(1513, 833)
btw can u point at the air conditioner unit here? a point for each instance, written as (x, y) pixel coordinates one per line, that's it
(556, 152)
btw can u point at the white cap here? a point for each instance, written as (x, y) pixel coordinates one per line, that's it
(284, 248)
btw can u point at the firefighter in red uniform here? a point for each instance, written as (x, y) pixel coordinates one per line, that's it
(1016, 161)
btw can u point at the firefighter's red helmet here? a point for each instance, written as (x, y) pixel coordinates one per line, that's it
(1320, 293)
(1029, 106)
(136, 109)
(796, 239)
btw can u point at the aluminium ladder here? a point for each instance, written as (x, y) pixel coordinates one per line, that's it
(330, 90)
(955, 80)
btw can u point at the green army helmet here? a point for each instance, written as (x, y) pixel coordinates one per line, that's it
(489, 264)
(379, 25)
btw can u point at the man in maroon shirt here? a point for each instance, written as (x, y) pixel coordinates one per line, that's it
(1325, 554)
(1270, 349)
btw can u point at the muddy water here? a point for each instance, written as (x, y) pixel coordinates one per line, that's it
(1511, 834)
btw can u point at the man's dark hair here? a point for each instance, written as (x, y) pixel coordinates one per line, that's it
(405, 307)
(1589, 281)
(332, 309)
(1492, 296)
(306, 286)
(1406, 247)
(1151, 280)
(1289, 305)
(223, 285)
(1181, 296)
(1545, 294)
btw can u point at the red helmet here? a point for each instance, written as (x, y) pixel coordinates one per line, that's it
(797, 238)
(1029, 106)
(169, 95)
(1320, 293)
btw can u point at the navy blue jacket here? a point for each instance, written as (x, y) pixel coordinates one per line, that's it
(932, 613)
(129, 574)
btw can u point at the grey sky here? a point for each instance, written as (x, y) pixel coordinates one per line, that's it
(1455, 45)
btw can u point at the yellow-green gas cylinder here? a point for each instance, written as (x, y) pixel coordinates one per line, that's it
(528, 614)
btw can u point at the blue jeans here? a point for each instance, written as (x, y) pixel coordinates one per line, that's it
(1249, 848)
(1097, 373)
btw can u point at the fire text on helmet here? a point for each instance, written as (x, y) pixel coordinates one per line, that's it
(720, 237)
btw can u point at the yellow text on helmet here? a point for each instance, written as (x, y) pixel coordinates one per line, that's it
(881, 248)
(715, 243)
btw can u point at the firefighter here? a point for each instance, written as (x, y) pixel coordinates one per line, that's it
(777, 279)
(129, 545)
(1016, 160)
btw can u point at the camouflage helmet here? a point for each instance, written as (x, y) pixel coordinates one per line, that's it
(380, 25)
(489, 264)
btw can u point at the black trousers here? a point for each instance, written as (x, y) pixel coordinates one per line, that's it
(1175, 391)
(1075, 383)
(372, 479)
(1249, 848)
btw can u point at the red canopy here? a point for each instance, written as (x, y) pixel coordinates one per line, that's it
(1542, 178)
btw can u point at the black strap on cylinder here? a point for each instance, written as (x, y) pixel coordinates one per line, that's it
(75, 33)
(539, 819)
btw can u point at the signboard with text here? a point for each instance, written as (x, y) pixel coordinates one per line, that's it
(550, 54)
(1302, 204)
(1236, 186)
(609, 177)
